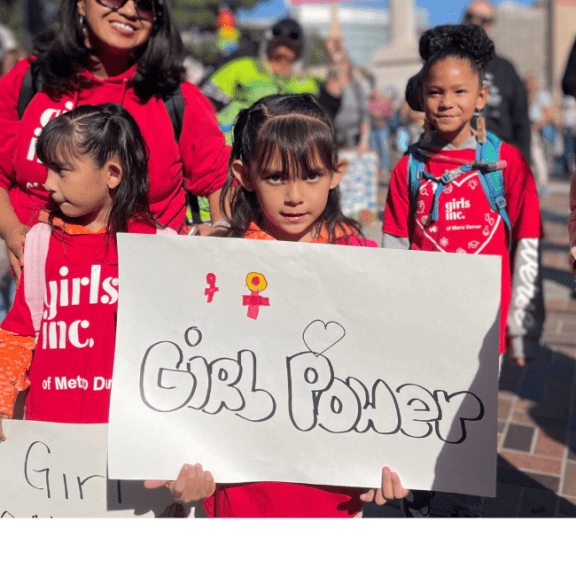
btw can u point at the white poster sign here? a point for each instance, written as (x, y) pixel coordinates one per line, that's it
(359, 185)
(50, 470)
(305, 363)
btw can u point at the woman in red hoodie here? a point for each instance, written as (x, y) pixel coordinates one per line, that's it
(122, 51)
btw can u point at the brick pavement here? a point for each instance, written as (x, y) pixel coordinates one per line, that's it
(536, 405)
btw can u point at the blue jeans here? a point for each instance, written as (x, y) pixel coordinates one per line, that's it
(379, 142)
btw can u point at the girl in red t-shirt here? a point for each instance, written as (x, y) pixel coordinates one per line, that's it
(283, 185)
(58, 338)
(454, 215)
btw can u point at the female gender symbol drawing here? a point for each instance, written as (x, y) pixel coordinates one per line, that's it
(256, 283)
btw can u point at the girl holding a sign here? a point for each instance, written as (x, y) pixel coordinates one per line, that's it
(283, 185)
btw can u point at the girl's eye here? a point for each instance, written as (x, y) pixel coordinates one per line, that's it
(312, 176)
(274, 178)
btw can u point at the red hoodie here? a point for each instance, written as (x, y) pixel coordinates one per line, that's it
(201, 155)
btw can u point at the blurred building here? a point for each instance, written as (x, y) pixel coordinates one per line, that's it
(522, 34)
(563, 16)
(396, 61)
(364, 30)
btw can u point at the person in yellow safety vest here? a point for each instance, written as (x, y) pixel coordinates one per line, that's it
(242, 81)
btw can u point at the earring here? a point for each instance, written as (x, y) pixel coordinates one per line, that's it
(82, 24)
(427, 131)
(480, 127)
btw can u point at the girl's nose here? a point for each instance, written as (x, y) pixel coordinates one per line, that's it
(49, 184)
(293, 192)
(446, 101)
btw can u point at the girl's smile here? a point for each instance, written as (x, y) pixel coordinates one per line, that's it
(452, 92)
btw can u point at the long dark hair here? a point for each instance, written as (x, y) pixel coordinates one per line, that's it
(101, 133)
(296, 127)
(61, 55)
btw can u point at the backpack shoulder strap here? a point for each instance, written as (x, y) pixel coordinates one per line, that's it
(35, 253)
(415, 174)
(30, 86)
(175, 107)
(493, 181)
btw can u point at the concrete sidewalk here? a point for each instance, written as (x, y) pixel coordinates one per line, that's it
(536, 404)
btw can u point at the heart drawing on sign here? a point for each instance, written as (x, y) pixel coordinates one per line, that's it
(319, 336)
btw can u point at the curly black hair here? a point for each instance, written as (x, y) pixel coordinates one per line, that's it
(465, 41)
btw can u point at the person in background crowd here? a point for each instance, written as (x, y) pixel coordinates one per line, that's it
(243, 81)
(352, 121)
(566, 165)
(10, 51)
(381, 108)
(506, 111)
(540, 113)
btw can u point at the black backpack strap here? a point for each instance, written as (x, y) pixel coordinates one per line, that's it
(175, 107)
(30, 86)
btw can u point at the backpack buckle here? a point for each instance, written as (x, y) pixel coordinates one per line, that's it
(500, 202)
(486, 166)
(450, 175)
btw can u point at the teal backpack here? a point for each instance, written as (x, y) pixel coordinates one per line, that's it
(488, 165)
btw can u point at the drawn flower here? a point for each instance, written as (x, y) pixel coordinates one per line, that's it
(472, 183)
(444, 242)
(256, 282)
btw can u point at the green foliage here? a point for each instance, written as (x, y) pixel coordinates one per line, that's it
(12, 15)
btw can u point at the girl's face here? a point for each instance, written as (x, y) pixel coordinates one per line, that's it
(451, 93)
(114, 31)
(290, 206)
(82, 191)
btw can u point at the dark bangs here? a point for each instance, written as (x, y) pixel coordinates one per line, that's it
(304, 145)
(58, 144)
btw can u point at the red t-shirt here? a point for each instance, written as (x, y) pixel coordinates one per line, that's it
(281, 499)
(466, 224)
(200, 157)
(71, 372)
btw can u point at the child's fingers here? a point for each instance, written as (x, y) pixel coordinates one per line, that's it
(387, 492)
(151, 484)
(367, 496)
(193, 484)
(399, 490)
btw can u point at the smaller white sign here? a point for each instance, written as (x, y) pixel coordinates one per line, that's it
(359, 185)
(50, 470)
